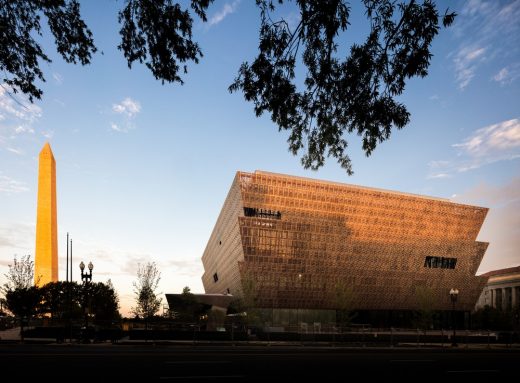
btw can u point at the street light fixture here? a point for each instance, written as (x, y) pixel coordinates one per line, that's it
(454, 293)
(87, 279)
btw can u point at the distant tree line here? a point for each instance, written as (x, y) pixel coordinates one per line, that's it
(58, 301)
(69, 301)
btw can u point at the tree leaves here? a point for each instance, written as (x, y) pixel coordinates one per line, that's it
(159, 34)
(147, 302)
(20, 274)
(340, 95)
(20, 54)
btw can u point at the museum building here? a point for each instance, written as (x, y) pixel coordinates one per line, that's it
(308, 244)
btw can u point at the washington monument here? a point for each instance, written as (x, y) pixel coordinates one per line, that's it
(46, 258)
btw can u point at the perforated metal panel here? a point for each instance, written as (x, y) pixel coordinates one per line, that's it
(301, 238)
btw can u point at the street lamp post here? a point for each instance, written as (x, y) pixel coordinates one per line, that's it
(454, 293)
(86, 277)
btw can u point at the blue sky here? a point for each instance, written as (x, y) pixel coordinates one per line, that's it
(143, 168)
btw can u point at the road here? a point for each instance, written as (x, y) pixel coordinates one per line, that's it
(107, 362)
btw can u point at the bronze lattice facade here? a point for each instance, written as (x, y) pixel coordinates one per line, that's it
(301, 239)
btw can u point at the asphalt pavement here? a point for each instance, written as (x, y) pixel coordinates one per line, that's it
(251, 362)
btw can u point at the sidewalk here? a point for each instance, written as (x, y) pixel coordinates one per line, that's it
(311, 344)
(13, 336)
(10, 334)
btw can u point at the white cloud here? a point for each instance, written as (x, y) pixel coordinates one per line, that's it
(497, 140)
(493, 143)
(465, 64)
(17, 107)
(502, 75)
(15, 151)
(15, 236)
(474, 54)
(439, 175)
(117, 128)
(59, 102)
(226, 10)
(488, 32)
(10, 185)
(438, 164)
(127, 107)
(17, 115)
(23, 129)
(501, 227)
(187, 267)
(475, 6)
(48, 134)
(508, 74)
(58, 78)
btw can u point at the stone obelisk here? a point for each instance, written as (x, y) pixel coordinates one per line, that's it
(46, 258)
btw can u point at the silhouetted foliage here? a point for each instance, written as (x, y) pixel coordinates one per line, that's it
(20, 54)
(159, 33)
(103, 302)
(340, 95)
(59, 299)
(491, 318)
(62, 300)
(23, 302)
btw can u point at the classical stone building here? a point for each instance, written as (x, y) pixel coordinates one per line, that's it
(502, 290)
(297, 243)
(46, 257)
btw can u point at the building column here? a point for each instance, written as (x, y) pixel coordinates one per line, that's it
(514, 297)
(509, 298)
(498, 299)
(492, 297)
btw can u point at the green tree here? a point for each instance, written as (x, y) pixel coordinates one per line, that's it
(246, 302)
(63, 300)
(491, 318)
(23, 302)
(55, 298)
(426, 301)
(340, 95)
(344, 302)
(189, 309)
(186, 311)
(147, 302)
(104, 302)
(22, 298)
